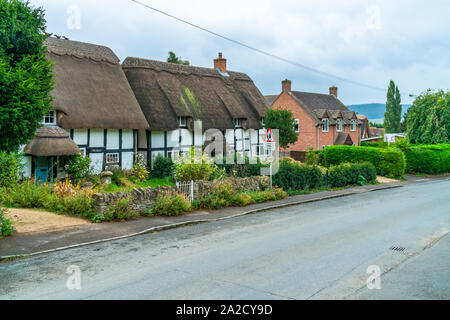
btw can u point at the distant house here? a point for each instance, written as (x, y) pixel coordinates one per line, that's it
(320, 119)
(95, 112)
(174, 96)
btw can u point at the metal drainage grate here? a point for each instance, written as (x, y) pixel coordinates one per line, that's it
(401, 249)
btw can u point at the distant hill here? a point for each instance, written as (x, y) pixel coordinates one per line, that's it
(374, 111)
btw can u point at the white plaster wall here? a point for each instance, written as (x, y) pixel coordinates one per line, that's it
(186, 137)
(127, 160)
(127, 139)
(80, 136)
(157, 139)
(229, 137)
(173, 138)
(97, 137)
(112, 139)
(96, 162)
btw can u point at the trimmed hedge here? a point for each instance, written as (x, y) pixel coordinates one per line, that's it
(293, 175)
(388, 162)
(430, 159)
(350, 173)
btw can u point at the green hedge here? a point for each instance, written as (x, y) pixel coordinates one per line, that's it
(9, 169)
(350, 173)
(388, 162)
(293, 175)
(430, 159)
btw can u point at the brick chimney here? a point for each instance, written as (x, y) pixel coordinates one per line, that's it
(220, 63)
(286, 85)
(333, 91)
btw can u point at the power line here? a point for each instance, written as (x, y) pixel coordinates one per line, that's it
(261, 51)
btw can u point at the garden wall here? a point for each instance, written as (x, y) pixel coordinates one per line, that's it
(145, 198)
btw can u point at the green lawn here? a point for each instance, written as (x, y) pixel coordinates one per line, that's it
(152, 183)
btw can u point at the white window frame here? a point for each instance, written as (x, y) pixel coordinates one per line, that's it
(339, 125)
(323, 147)
(238, 123)
(113, 155)
(51, 114)
(325, 121)
(182, 122)
(262, 122)
(297, 124)
(353, 127)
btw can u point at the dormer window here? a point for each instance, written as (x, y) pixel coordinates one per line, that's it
(50, 118)
(325, 125)
(238, 123)
(353, 128)
(182, 122)
(339, 125)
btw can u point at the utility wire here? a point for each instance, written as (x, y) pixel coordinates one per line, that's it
(326, 74)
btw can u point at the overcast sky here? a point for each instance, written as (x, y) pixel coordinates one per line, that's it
(366, 41)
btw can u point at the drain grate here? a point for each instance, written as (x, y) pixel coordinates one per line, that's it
(400, 249)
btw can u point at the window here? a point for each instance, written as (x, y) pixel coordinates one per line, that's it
(353, 128)
(323, 147)
(339, 125)
(296, 125)
(182, 122)
(112, 158)
(50, 117)
(238, 123)
(262, 122)
(325, 125)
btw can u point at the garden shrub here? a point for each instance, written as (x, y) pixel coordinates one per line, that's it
(139, 171)
(429, 159)
(388, 162)
(7, 226)
(9, 169)
(120, 210)
(171, 204)
(118, 177)
(242, 167)
(77, 167)
(293, 175)
(311, 158)
(162, 166)
(193, 165)
(351, 173)
(241, 200)
(77, 202)
(221, 196)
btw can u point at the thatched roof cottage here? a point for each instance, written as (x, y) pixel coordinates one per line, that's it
(173, 96)
(93, 103)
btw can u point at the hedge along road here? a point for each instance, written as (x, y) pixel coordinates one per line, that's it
(316, 250)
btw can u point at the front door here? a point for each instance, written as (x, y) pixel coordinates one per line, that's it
(42, 169)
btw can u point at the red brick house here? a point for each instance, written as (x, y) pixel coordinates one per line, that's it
(320, 119)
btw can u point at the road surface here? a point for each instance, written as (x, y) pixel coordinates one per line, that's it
(320, 250)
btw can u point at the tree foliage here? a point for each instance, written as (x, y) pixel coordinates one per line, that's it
(393, 114)
(174, 59)
(283, 120)
(25, 73)
(428, 120)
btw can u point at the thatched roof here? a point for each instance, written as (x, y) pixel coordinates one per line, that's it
(91, 89)
(51, 141)
(166, 91)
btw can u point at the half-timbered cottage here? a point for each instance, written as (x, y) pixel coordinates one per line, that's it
(174, 96)
(93, 103)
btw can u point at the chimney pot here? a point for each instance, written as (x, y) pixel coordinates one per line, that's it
(286, 85)
(220, 63)
(333, 91)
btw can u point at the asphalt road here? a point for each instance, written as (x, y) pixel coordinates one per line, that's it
(319, 250)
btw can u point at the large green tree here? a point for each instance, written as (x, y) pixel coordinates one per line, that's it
(283, 120)
(393, 114)
(25, 73)
(174, 59)
(428, 119)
